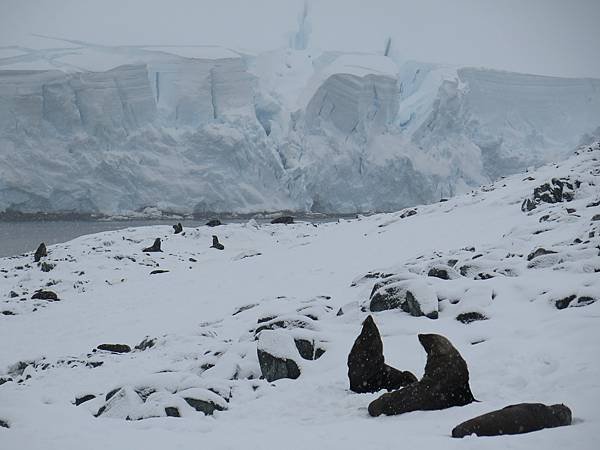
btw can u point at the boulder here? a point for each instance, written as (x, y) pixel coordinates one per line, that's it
(277, 355)
(283, 219)
(469, 317)
(308, 349)
(115, 348)
(411, 296)
(45, 295)
(213, 223)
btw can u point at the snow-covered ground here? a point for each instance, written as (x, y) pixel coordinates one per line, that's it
(204, 316)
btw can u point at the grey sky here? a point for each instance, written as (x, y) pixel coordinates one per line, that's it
(553, 37)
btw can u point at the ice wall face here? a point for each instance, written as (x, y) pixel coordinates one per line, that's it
(288, 129)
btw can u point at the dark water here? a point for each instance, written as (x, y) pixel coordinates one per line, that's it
(17, 237)
(22, 237)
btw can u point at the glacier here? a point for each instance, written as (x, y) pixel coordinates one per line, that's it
(204, 129)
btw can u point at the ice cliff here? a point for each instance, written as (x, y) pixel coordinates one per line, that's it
(205, 129)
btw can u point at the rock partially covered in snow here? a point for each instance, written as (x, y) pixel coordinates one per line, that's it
(412, 296)
(277, 355)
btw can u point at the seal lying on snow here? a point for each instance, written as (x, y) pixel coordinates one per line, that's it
(367, 370)
(155, 247)
(515, 419)
(444, 384)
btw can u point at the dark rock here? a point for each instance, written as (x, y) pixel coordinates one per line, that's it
(13, 294)
(569, 301)
(555, 191)
(571, 210)
(539, 252)
(115, 348)
(213, 223)
(40, 252)
(469, 317)
(515, 419)
(367, 370)
(593, 204)
(4, 380)
(172, 411)
(283, 219)
(178, 228)
(216, 244)
(408, 213)
(4, 423)
(47, 267)
(154, 272)
(111, 394)
(85, 398)
(203, 406)
(274, 368)
(192, 260)
(596, 217)
(398, 296)
(155, 247)
(444, 384)
(145, 344)
(308, 350)
(443, 272)
(45, 295)
(8, 313)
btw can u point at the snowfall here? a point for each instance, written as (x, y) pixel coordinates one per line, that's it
(525, 261)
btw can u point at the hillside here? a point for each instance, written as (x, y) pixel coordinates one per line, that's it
(522, 253)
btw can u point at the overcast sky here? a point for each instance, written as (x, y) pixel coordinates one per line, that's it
(552, 37)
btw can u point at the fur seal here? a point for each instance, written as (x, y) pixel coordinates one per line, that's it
(155, 247)
(40, 252)
(216, 244)
(444, 384)
(178, 228)
(515, 419)
(367, 370)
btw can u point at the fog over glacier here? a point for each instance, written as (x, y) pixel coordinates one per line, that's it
(247, 107)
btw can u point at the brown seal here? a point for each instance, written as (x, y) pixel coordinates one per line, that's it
(367, 370)
(444, 384)
(515, 419)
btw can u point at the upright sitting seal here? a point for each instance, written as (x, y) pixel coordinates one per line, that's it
(444, 384)
(515, 419)
(216, 244)
(155, 247)
(178, 228)
(40, 252)
(367, 370)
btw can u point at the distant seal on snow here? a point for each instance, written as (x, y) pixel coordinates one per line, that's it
(367, 370)
(40, 252)
(515, 419)
(216, 244)
(178, 228)
(444, 384)
(155, 247)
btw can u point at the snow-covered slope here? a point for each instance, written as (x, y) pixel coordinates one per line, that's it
(522, 252)
(295, 129)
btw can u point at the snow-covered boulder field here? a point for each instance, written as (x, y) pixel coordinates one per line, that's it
(105, 346)
(106, 130)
